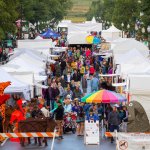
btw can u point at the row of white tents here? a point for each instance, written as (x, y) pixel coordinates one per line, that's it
(131, 58)
(26, 68)
(77, 32)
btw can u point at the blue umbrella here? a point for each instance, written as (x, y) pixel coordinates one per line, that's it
(96, 40)
(49, 33)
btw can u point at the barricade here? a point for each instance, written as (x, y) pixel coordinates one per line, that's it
(30, 134)
(130, 141)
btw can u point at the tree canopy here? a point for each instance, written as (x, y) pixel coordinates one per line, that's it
(121, 11)
(30, 10)
(45, 10)
(8, 16)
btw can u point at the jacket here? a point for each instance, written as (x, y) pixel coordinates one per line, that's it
(84, 83)
(76, 77)
(55, 92)
(114, 118)
(94, 83)
(77, 93)
(59, 113)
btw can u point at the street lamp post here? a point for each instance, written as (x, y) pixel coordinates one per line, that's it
(128, 27)
(148, 30)
(38, 24)
(122, 28)
(21, 18)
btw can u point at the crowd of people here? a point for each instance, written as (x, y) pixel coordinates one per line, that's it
(76, 73)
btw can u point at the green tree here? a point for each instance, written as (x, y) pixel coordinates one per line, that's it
(96, 10)
(8, 16)
(145, 8)
(103, 9)
(45, 10)
(125, 11)
(109, 6)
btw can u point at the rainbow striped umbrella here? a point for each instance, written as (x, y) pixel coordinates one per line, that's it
(103, 96)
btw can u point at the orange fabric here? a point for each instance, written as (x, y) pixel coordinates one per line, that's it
(16, 116)
(3, 85)
(108, 134)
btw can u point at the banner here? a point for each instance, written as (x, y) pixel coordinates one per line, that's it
(91, 134)
(133, 141)
(105, 46)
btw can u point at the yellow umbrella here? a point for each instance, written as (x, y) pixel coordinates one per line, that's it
(89, 39)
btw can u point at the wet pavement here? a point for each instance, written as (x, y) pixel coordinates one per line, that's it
(70, 142)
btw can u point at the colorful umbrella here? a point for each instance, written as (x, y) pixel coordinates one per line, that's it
(103, 96)
(89, 39)
(96, 40)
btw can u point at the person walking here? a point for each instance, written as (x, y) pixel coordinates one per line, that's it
(84, 84)
(114, 120)
(59, 114)
(94, 84)
(80, 121)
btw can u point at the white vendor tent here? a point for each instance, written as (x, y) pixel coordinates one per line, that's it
(84, 27)
(23, 65)
(25, 77)
(128, 45)
(32, 60)
(115, 42)
(38, 38)
(43, 43)
(111, 34)
(131, 57)
(16, 85)
(77, 38)
(93, 20)
(127, 69)
(31, 79)
(37, 53)
(139, 90)
(64, 24)
(132, 63)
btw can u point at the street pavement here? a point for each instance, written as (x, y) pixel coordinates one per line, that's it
(70, 142)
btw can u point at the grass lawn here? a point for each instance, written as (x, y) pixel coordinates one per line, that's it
(79, 10)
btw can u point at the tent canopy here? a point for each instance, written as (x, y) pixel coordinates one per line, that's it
(93, 20)
(77, 38)
(111, 34)
(64, 24)
(84, 27)
(28, 44)
(20, 65)
(49, 33)
(16, 85)
(128, 45)
(131, 57)
(112, 29)
(38, 38)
